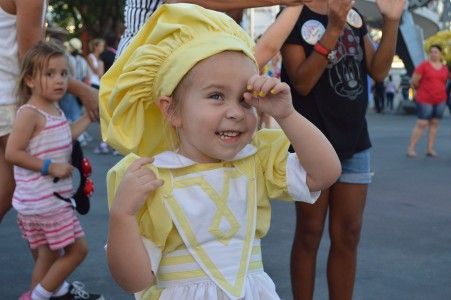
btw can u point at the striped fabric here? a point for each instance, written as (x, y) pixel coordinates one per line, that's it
(34, 192)
(179, 267)
(136, 14)
(58, 230)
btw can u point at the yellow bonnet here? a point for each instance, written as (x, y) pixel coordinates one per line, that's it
(173, 41)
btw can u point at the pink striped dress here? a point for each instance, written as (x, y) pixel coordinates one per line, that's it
(43, 218)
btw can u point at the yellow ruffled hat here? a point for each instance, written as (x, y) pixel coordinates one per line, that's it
(173, 41)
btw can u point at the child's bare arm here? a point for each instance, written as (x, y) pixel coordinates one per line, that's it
(79, 126)
(23, 130)
(276, 34)
(128, 260)
(315, 153)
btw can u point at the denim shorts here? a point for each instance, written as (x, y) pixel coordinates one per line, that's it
(427, 111)
(357, 168)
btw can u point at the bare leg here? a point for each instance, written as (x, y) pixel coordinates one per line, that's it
(347, 202)
(7, 183)
(44, 260)
(433, 126)
(65, 264)
(417, 132)
(309, 230)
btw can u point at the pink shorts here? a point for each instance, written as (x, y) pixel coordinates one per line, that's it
(58, 230)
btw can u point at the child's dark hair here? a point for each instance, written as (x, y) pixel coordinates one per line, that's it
(34, 63)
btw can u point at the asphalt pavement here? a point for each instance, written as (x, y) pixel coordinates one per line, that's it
(405, 248)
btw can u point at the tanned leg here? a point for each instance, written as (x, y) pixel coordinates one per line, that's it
(65, 264)
(417, 132)
(347, 202)
(433, 126)
(309, 230)
(43, 262)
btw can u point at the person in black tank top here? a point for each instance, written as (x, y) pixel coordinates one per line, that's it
(326, 60)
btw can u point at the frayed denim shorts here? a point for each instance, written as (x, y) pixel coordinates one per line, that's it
(357, 169)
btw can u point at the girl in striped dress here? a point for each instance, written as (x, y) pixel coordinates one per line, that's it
(40, 147)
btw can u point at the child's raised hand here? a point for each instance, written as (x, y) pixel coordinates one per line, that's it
(60, 170)
(269, 96)
(139, 181)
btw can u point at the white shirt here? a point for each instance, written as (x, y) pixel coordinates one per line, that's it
(9, 60)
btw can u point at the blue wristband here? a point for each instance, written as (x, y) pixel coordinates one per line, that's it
(45, 167)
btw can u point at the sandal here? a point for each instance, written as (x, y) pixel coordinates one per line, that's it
(432, 153)
(411, 153)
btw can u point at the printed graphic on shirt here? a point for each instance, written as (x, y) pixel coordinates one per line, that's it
(312, 31)
(344, 73)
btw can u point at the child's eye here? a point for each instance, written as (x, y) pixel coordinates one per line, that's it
(64, 73)
(49, 74)
(216, 96)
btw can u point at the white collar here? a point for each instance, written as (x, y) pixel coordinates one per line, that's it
(173, 160)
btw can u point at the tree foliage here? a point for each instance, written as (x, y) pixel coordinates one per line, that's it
(442, 38)
(96, 17)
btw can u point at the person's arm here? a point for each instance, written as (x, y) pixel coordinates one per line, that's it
(79, 126)
(304, 72)
(128, 260)
(23, 128)
(226, 5)
(416, 77)
(314, 151)
(89, 96)
(273, 38)
(379, 62)
(29, 24)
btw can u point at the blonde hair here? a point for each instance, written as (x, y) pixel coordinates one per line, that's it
(34, 63)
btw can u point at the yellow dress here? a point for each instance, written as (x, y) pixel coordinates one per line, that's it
(202, 228)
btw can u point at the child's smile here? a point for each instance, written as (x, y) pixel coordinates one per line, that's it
(214, 122)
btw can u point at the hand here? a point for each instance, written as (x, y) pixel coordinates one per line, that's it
(269, 96)
(337, 13)
(139, 181)
(391, 9)
(90, 99)
(60, 170)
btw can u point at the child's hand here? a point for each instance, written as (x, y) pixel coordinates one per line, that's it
(139, 181)
(60, 170)
(269, 96)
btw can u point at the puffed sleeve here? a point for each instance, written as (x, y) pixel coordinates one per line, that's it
(284, 176)
(154, 223)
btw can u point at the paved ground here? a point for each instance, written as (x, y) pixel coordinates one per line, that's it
(405, 251)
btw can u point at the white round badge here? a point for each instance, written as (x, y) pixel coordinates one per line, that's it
(354, 19)
(312, 31)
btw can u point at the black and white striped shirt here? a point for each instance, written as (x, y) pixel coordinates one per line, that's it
(136, 14)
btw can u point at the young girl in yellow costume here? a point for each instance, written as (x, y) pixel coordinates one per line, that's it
(189, 220)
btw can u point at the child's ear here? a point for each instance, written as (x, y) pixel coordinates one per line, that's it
(29, 81)
(168, 112)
